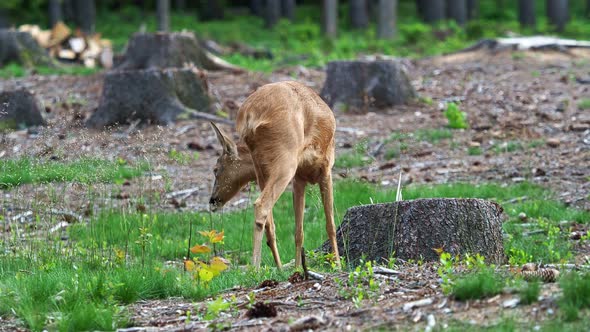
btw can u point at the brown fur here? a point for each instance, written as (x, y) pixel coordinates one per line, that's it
(286, 133)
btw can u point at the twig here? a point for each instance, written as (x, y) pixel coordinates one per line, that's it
(185, 193)
(416, 304)
(67, 213)
(209, 117)
(535, 232)
(384, 270)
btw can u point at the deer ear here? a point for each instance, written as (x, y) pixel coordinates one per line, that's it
(228, 145)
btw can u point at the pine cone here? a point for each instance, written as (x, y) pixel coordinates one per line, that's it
(545, 274)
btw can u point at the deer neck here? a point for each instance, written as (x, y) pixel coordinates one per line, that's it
(247, 171)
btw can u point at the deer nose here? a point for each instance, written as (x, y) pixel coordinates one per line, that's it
(213, 202)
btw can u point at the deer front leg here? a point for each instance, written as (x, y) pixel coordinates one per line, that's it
(272, 188)
(328, 200)
(299, 207)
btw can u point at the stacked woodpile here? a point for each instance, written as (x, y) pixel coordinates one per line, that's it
(72, 46)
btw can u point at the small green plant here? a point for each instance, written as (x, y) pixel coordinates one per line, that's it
(205, 270)
(446, 271)
(360, 284)
(529, 293)
(457, 119)
(584, 104)
(357, 158)
(509, 146)
(214, 308)
(576, 294)
(182, 158)
(433, 135)
(474, 151)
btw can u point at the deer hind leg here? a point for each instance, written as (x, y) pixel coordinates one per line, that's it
(328, 200)
(299, 207)
(272, 187)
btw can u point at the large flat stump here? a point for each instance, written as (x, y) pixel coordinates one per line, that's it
(20, 47)
(417, 229)
(152, 96)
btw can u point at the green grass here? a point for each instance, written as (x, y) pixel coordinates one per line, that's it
(477, 285)
(358, 157)
(576, 294)
(81, 283)
(16, 70)
(14, 172)
(584, 104)
(529, 293)
(474, 151)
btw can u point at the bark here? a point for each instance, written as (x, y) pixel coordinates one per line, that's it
(420, 8)
(163, 13)
(86, 15)
(457, 10)
(20, 108)
(386, 17)
(330, 18)
(54, 12)
(526, 13)
(472, 9)
(165, 50)
(288, 8)
(365, 85)
(153, 96)
(359, 14)
(587, 8)
(433, 11)
(416, 229)
(272, 13)
(558, 13)
(20, 47)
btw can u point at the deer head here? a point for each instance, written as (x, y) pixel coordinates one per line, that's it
(232, 171)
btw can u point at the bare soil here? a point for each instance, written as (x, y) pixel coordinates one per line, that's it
(526, 97)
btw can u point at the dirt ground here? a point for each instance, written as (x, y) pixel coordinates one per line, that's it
(520, 97)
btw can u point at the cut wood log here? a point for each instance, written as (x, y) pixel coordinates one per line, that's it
(20, 47)
(154, 96)
(421, 229)
(168, 50)
(19, 108)
(532, 43)
(365, 85)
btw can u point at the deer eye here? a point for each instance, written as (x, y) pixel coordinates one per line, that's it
(215, 171)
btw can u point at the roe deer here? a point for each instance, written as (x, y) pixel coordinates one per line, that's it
(286, 133)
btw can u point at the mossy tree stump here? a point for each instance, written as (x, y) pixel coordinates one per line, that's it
(19, 108)
(153, 96)
(366, 85)
(21, 48)
(420, 229)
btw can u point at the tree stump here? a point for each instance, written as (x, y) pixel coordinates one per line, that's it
(169, 50)
(152, 96)
(362, 85)
(19, 108)
(417, 229)
(20, 47)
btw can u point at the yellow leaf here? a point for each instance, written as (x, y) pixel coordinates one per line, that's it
(189, 265)
(206, 234)
(200, 249)
(205, 275)
(217, 238)
(438, 251)
(120, 254)
(218, 264)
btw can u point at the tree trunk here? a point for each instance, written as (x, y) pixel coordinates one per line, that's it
(366, 85)
(472, 9)
(180, 5)
(213, 10)
(433, 11)
(386, 16)
(526, 13)
(420, 8)
(272, 13)
(588, 8)
(359, 14)
(54, 12)
(330, 18)
(457, 10)
(86, 15)
(163, 11)
(418, 229)
(153, 96)
(257, 7)
(288, 9)
(4, 21)
(558, 13)
(20, 108)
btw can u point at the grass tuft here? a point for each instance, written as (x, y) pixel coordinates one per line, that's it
(477, 285)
